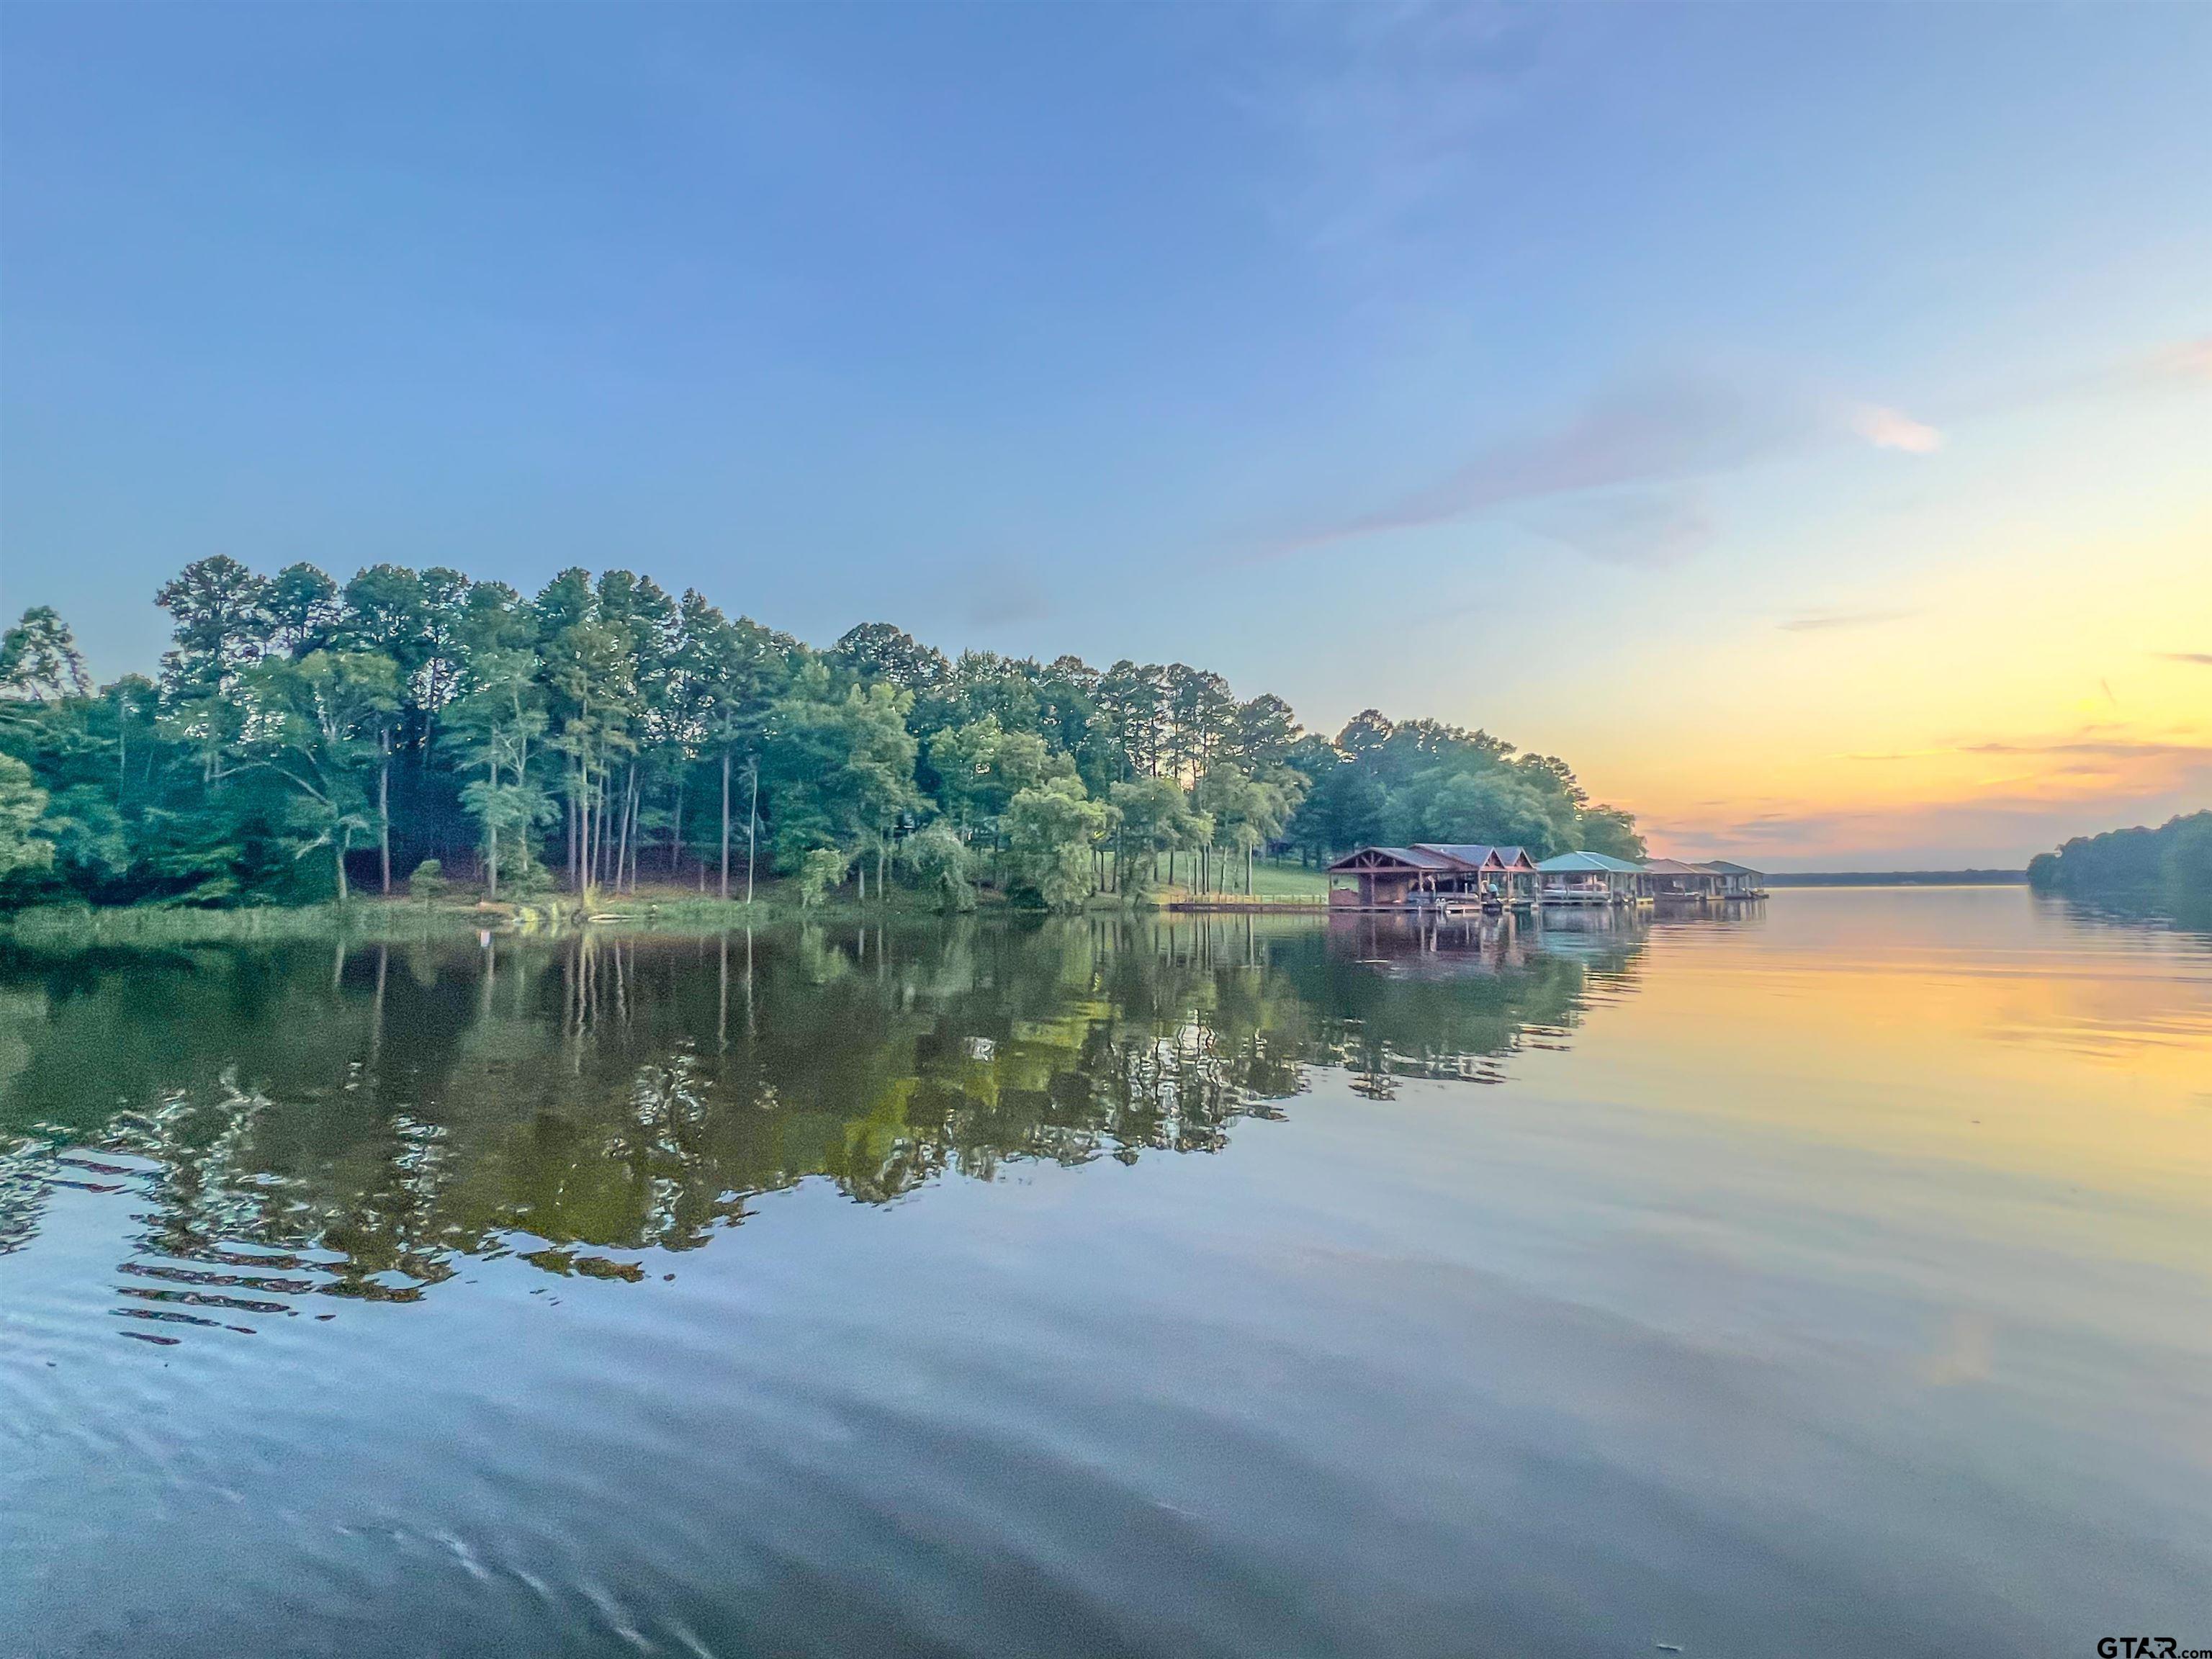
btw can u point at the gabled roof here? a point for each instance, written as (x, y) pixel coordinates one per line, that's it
(1671, 867)
(1478, 855)
(1471, 855)
(1728, 869)
(1585, 863)
(1400, 858)
(1437, 857)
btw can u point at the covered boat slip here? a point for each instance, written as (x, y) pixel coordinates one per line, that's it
(1592, 879)
(1456, 876)
(1671, 879)
(1737, 880)
(1446, 876)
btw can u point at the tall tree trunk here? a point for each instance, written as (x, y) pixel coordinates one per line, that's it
(752, 839)
(491, 817)
(726, 833)
(675, 831)
(599, 832)
(383, 812)
(345, 844)
(637, 829)
(622, 814)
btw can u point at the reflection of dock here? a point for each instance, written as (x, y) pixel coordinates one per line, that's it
(1432, 939)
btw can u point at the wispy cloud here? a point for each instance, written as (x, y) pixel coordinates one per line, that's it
(2100, 748)
(1630, 435)
(2179, 366)
(2201, 659)
(1643, 438)
(1822, 621)
(1890, 428)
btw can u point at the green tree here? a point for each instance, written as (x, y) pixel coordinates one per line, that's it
(315, 724)
(304, 609)
(495, 724)
(23, 848)
(222, 628)
(1151, 816)
(38, 659)
(878, 651)
(1609, 830)
(981, 767)
(2185, 861)
(1051, 829)
(590, 673)
(938, 863)
(727, 680)
(840, 768)
(820, 869)
(1247, 812)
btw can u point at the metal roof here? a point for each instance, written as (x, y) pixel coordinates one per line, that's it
(1472, 854)
(1671, 867)
(1728, 869)
(1585, 862)
(1413, 858)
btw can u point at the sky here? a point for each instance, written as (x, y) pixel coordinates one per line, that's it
(1799, 419)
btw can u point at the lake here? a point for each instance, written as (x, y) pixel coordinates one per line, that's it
(1834, 1276)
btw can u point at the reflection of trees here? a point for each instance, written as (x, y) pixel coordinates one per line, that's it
(351, 1124)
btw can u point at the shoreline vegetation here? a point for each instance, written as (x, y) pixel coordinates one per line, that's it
(371, 919)
(423, 736)
(2166, 870)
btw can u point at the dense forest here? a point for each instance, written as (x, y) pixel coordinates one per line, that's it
(2170, 865)
(306, 739)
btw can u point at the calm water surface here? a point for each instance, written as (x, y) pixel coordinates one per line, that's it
(1833, 1277)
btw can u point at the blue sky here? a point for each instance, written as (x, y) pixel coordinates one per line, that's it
(1548, 369)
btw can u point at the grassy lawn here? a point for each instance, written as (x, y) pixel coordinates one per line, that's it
(1273, 880)
(1279, 882)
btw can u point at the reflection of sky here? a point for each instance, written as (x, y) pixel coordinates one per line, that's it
(1826, 384)
(1977, 1038)
(1848, 1277)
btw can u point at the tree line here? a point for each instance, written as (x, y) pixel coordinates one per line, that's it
(304, 737)
(2171, 864)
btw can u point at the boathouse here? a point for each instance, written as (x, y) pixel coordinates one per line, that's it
(1503, 872)
(1433, 872)
(1737, 880)
(1591, 879)
(1672, 878)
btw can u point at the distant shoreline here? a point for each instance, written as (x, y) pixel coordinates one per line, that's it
(1899, 879)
